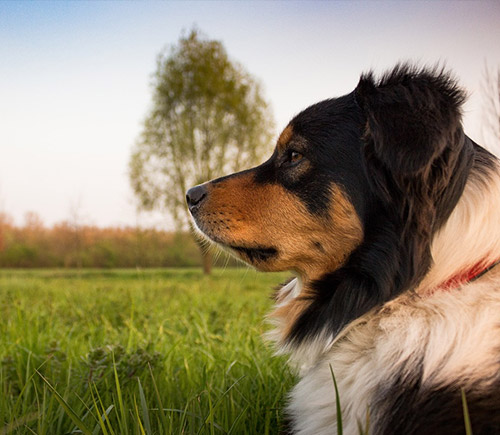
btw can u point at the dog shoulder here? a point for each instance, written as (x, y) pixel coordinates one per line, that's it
(404, 368)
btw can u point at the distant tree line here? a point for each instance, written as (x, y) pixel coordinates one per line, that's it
(65, 245)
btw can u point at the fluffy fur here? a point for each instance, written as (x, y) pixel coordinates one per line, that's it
(379, 203)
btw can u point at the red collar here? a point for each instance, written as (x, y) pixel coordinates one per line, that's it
(470, 275)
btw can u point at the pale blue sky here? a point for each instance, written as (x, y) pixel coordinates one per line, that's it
(74, 78)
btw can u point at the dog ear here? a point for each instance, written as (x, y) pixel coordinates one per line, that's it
(411, 116)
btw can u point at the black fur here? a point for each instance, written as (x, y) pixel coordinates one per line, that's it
(260, 254)
(412, 116)
(332, 130)
(416, 161)
(406, 406)
(328, 134)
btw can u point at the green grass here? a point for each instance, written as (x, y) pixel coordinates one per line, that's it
(138, 352)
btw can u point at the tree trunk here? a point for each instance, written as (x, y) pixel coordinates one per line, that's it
(207, 261)
(206, 255)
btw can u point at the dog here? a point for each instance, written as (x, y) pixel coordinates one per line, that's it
(389, 217)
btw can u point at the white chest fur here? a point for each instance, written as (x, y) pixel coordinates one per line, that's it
(433, 337)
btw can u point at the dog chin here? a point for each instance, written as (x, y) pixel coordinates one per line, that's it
(257, 256)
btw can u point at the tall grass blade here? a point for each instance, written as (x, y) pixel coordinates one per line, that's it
(71, 414)
(185, 413)
(237, 420)
(28, 385)
(145, 411)
(468, 427)
(30, 430)
(27, 382)
(105, 415)
(158, 397)
(139, 423)
(340, 430)
(123, 415)
(216, 404)
(365, 430)
(101, 418)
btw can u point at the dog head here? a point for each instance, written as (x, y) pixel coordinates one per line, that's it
(299, 210)
(351, 196)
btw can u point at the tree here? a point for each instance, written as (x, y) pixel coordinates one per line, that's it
(491, 92)
(76, 224)
(208, 118)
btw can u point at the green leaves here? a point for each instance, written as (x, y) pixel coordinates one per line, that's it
(208, 118)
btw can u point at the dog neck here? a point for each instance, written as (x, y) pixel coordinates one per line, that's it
(465, 246)
(469, 242)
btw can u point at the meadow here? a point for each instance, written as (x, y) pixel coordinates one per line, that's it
(162, 351)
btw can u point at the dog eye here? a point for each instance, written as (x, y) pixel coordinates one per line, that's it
(294, 156)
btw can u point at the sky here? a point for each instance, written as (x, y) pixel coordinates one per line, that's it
(75, 79)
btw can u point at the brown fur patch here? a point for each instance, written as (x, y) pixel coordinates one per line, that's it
(239, 212)
(285, 136)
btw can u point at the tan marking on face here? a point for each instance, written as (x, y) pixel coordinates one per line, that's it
(239, 212)
(285, 137)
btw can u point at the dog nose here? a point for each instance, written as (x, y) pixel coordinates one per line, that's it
(196, 195)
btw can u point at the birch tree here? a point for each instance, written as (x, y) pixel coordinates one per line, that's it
(208, 118)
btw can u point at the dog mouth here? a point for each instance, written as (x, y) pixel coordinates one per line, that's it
(250, 254)
(255, 254)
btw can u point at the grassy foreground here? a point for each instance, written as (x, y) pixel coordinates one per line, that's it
(138, 352)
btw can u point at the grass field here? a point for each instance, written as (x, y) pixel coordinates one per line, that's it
(135, 351)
